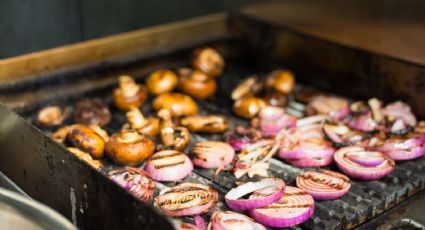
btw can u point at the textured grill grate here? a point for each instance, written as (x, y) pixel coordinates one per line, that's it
(364, 201)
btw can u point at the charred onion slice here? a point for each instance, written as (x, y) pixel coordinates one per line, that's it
(212, 154)
(336, 107)
(273, 119)
(169, 165)
(294, 207)
(234, 197)
(363, 122)
(135, 180)
(342, 135)
(240, 137)
(400, 110)
(186, 199)
(408, 147)
(324, 185)
(357, 162)
(229, 220)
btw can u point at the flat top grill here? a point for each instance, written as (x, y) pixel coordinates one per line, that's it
(365, 200)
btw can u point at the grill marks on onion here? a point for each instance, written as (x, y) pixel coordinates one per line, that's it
(169, 165)
(324, 185)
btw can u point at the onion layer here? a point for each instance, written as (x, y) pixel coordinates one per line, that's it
(240, 137)
(273, 119)
(324, 185)
(229, 220)
(169, 165)
(293, 208)
(234, 201)
(337, 108)
(135, 180)
(342, 135)
(356, 162)
(212, 154)
(409, 147)
(186, 199)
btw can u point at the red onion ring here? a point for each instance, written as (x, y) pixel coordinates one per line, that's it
(169, 165)
(273, 119)
(363, 122)
(341, 135)
(293, 208)
(409, 147)
(241, 137)
(229, 220)
(401, 110)
(356, 169)
(337, 108)
(186, 199)
(212, 154)
(234, 201)
(135, 180)
(200, 222)
(324, 185)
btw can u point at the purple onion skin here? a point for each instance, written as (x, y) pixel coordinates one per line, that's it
(238, 145)
(251, 204)
(403, 155)
(364, 176)
(280, 223)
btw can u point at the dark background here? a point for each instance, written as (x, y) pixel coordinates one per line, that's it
(31, 25)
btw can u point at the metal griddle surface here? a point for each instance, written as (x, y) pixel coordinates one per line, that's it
(364, 201)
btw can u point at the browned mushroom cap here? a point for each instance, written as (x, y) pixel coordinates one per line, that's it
(248, 107)
(92, 112)
(206, 123)
(275, 99)
(97, 164)
(60, 134)
(176, 138)
(87, 140)
(129, 94)
(129, 148)
(209, 61)
(248, 87)
(136, 121)
(179, 104)
(161, 81)
(51, 116)
(196, 84)
(281, 80)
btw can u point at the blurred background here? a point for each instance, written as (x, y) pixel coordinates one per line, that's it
(29, 25)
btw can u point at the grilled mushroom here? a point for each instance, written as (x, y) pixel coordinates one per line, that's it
(179, 104)
(275, 99)
(92, 112)
(97, 164)
(208, 61)
(206, 123)
(136, 121)
(129, 94)
(196, 83)
(172, 137)
(248, 107)
(51, 116)
(161, 81)
(129, 148)
(87, 140)
(248, 87)
(281, 80)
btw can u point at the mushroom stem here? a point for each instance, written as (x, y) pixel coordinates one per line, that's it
(136, 119)
(129, 137)
(128, 86)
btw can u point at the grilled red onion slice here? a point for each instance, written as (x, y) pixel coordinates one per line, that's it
(401, 110)
(293, 208)
(169, 165)
(305, 147)
(234, 201)
(186, 199)
(408, 147)
(363, 122)
(136, 181)
(364, 166)
(342, 135)
(229, 220)
(324, 185)
(240, 137)
(273, 119)
(337, 108)
(212, 154)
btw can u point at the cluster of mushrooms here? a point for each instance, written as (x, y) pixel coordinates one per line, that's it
(364, 139)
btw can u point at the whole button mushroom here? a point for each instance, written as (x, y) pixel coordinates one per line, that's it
(196, 83)
(51, 116)
(282, 81)
(248, 107)
(172, 137)
(179, 104)
(275, 99)
(129, 94)
(136, 121)
(92, 112)
(129, 148)
(208, 61)
(161, 81)
(87, 140)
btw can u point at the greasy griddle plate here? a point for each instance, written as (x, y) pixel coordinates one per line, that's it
(364, 200)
